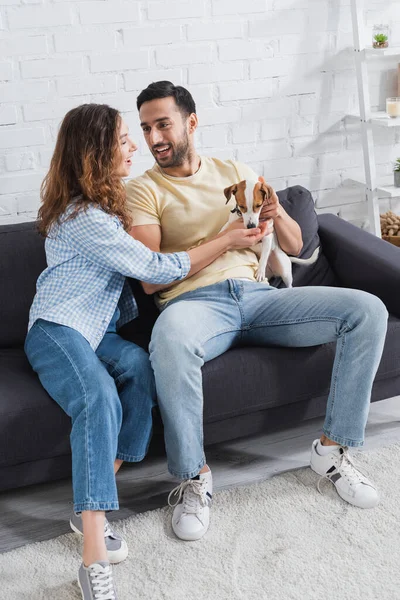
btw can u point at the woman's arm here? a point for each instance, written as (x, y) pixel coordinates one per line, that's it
(101, 239)
(202, 255)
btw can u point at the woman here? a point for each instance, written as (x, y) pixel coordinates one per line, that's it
(103, 382)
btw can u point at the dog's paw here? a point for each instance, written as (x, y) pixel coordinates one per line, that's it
(260, 275)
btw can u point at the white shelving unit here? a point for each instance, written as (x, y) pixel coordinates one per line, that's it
(368, 119)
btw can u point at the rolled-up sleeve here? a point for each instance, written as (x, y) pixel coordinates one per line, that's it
(101, 239)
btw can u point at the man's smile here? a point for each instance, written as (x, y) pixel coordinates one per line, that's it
(162, 150)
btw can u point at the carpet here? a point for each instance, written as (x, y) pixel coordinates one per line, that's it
(277, 540)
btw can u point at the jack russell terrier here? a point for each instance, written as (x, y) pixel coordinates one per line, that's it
(250, 197)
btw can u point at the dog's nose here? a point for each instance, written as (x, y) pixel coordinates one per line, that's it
(251, 225)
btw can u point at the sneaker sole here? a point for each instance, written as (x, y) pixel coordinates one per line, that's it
(114, 556)
(189, 537)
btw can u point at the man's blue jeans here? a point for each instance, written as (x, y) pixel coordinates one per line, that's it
(109, 395)
(200, 325)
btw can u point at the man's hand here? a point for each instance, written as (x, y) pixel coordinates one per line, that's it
(287, 230)
(271, 207)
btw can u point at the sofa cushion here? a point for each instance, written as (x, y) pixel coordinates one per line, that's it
(299, 204)
(22, 259)
(32, 425)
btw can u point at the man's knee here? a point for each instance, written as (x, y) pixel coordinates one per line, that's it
(369, 312)
(172, 342)
(375, 309)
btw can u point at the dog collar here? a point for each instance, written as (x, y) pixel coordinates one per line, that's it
(236, 210)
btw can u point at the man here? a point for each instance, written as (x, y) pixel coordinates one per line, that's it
(179, 204)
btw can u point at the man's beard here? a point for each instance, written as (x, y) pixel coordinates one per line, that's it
(180, 153)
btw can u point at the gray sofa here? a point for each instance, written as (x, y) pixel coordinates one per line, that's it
(247, 390)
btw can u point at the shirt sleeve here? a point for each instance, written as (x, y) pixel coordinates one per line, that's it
(244, 171)
(142, 204)
(101, 239)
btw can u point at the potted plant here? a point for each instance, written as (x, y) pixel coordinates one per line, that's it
(380, 41)
(380, 36)
(396, 170)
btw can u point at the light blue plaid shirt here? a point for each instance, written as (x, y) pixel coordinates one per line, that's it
(88, 258)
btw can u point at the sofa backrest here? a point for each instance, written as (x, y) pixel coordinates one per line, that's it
(22, 259)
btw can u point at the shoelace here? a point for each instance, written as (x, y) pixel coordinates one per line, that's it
(102, 582)
(347, 466)
(108, 532)
(192, 492)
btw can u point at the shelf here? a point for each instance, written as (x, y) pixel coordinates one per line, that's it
(391, 51)
(387, 191)
(378, 118)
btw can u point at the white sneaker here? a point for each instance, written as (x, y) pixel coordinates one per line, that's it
(350, 483)
(191, 516)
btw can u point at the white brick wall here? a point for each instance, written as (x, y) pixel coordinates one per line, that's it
(272, 80)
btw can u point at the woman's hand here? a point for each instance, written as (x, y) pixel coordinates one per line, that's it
(245, 238)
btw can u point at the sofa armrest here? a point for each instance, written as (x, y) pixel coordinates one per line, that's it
(361, 260)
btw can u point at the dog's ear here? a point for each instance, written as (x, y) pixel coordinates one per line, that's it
(232, 189)
(266, 190)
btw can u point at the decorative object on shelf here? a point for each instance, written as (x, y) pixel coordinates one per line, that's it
(398, 79)
(396, 171)
(393, 107)
(390, 227)
(380, 36)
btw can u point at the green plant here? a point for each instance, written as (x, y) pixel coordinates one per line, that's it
(380, 38)
(397, 165)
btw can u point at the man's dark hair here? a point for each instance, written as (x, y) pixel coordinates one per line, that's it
(165, 89)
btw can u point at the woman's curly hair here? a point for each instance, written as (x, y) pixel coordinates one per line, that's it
(84, 167)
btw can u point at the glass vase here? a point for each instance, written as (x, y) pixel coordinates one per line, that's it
(380, 36)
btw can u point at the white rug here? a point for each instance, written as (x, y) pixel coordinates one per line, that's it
(278, 540)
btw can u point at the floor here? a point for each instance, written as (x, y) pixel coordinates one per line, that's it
(41, 512)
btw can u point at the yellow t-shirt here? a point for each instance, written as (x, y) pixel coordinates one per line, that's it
(190, 210)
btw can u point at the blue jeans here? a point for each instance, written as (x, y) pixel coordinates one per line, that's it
(202, 324)
(109, 395)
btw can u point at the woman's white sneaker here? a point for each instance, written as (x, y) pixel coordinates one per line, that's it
(350, 483)
(191, 515)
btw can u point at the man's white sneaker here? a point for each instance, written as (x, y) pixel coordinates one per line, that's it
(191, 515)
(350, 483)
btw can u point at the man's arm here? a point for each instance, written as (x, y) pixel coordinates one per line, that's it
(288, 232)
(287, 229)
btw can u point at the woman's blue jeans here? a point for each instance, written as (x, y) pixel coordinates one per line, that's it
(109, 395)
(200, 325)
